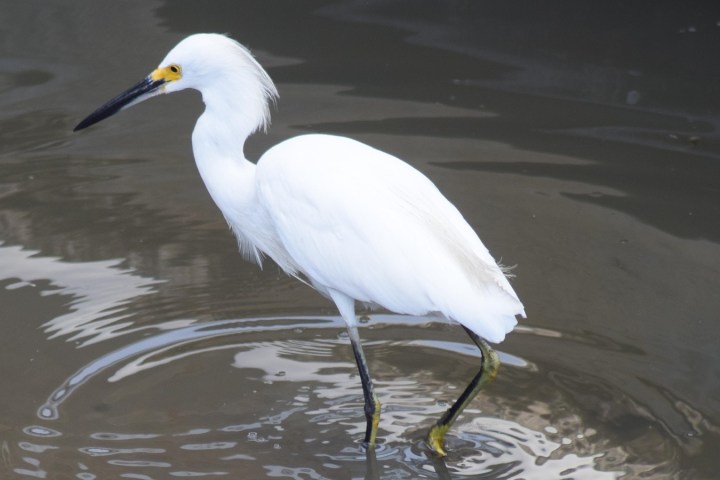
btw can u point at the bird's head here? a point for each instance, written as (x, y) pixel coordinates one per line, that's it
(207, 62)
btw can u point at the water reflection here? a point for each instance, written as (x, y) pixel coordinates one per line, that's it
(593, 167)
(303, 403)
(291, 380)
(100, 291)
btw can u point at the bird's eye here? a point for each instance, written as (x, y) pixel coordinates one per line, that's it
(175, 68)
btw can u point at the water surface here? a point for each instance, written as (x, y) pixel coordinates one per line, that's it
(580, 141)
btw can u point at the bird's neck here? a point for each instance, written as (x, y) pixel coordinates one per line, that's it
(235, 107)
(218, 140)
(234, 110)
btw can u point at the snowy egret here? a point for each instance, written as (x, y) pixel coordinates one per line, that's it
(356, 223)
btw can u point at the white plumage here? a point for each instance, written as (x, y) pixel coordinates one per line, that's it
(357, 223)
(363, 223)
(347, 216)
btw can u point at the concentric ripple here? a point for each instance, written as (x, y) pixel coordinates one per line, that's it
(280, 398)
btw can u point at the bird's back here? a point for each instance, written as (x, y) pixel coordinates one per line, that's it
(362, 222)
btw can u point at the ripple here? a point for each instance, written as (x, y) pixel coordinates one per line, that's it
(209, 446)
(104, 451)
(34, 448)
(37, 431)
(293, 384)
(296, 473)
(122, 436)
(197, 474)
(139, 463)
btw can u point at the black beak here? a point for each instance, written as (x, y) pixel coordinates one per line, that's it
(142, 91)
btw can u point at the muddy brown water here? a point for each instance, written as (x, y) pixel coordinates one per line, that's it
(580, 141)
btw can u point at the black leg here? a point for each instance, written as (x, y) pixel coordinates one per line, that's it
(372, 404)
(488, 372)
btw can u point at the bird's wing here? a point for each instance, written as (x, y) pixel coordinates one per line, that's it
(364, 223)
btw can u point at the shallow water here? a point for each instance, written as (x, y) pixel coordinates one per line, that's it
(581, 143)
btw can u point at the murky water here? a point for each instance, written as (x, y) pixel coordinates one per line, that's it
(582, 145)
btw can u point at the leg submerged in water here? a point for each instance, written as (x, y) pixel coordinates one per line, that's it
(486, 374)
(372, 404)
(346, 306)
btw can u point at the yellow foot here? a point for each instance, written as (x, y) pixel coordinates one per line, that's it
(375, 422)
(436, 437)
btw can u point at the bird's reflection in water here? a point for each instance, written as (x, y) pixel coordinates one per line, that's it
(300, 395)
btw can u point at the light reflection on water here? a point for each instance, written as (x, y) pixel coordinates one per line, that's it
(596, 203)
(298, 387)
(304, 404)
(100, 292)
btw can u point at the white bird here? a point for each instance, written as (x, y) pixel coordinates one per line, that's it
(358, 224)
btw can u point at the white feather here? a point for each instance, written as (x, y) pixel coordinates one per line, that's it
(360, 221)
(359, 224)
